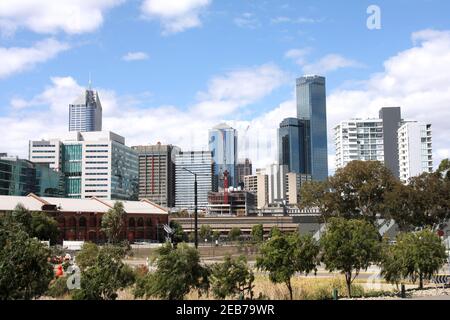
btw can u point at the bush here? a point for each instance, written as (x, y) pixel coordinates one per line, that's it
(58, 288)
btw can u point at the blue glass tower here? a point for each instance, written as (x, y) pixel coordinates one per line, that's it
(312, 108)
(85, 114)
(293, 147)
(223, 145)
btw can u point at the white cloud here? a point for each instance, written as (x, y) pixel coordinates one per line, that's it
(298, 55)
(135, 56)
(17, 59)
(50, 16)
(417, 79)
(300, 20)
(175, 15)
(247, 20)
(328, 63)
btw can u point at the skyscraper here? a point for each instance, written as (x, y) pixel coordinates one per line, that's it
(157, 173)
(293, 148)
(391, 122)
(223, 144)
(243, 168)
(85, 114)
(312, 108)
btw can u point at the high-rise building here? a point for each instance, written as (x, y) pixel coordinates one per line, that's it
(276, 181)
(157, 173)
(223, 144)
(85, 113)
(392, 119)
(186, 164)
(359, 140)
(312, 108)
(293, 148)
(259, 185)
(19, 177)
(415, 150)
(373, 140)
(294, 183)
(94, 164)
(243, 168)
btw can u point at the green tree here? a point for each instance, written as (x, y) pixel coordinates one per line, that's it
(113, 222)
(232, 278)
(22, 216)
(216, 235)
(275, 231)
(258, 233)
(178, 235)
(234, 234)
(354, 192)
(44, 227)
(416, 255)
(178, 272)
(105, 277)
(25, 270)
(350, 246)
(87, 257)
(205, 232)
(283, 256)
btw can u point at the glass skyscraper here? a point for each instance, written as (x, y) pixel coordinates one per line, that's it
(312, 108)
(85, 114)
(293, 147)
(223, 145)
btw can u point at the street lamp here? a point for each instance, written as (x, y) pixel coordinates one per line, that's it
(195, 207)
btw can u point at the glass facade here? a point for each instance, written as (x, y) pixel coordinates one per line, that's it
(311, 107)
(223, 146)
(124, 173)
(85, 114)
(293, 148)
(71, 166)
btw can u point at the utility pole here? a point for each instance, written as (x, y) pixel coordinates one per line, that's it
(195, 207)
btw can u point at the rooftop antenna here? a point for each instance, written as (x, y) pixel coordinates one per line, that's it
(90, 81)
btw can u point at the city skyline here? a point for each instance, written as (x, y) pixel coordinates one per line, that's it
(252, 91)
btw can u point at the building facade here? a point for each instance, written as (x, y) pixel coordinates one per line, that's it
(392, 120)
(312, 108)
(243, 168)
(157, 173)
(233, 203)
(94, 164)
(415, 150)
(276, 181)
(294, 183)
(259, 185)
(223, 144)
(197, 162)
(85, 113)
(19, 177)
(293, 147)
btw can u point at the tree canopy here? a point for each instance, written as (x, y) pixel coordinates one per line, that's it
(113, 222)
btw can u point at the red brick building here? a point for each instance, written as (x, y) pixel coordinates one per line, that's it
(80, 219)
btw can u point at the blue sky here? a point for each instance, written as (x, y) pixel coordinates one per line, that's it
(191, 48)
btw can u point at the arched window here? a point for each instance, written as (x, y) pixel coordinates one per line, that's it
(72, 222)
(140, 222)
(92, 222)
(131, 223)
(148, 222)
(82, 222)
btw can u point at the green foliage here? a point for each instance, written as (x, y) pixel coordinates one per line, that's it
(44, 227)
(416, 255)
(178, 235)
(350, 246)
(232, 278)
(113, 222)
(205, 232)
(58, 288)
(354, 192)
(216, 235)
(25, 271)
(178, 272)
(275, 231)
(283, 256)
(106, 276)
(234, 234)
(87, 256)
(258, 233)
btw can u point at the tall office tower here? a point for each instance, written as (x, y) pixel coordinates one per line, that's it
(276, 181)
(259, 185)
(187, 163)
(312, 108)
(157, 173)
(391, 123)
(94, 164)
(85, 114)
(359, 140)
(223, 143)
(243, 168)
(415, 150)
(20, 177)
(293, 148)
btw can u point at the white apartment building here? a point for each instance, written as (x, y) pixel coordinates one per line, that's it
(94, 164)
(259, 185)
(415, 149)
(359, 139)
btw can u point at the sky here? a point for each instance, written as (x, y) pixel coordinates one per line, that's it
(169, 70)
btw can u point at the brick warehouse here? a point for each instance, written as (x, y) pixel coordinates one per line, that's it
(80, 219)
